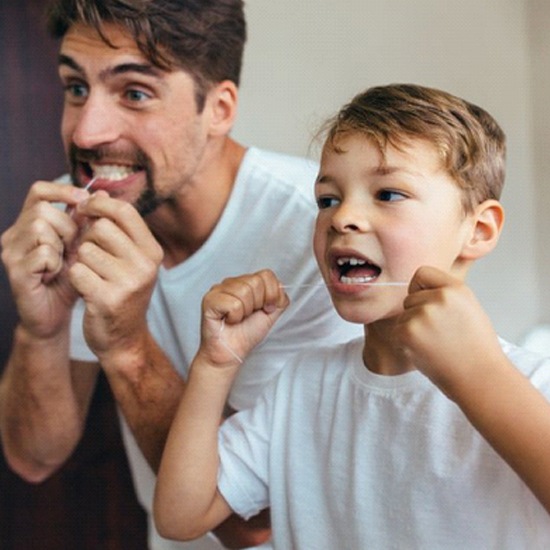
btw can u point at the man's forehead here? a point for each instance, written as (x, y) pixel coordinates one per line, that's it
(113, 40)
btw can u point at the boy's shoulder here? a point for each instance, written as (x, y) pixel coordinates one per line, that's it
(533, 365)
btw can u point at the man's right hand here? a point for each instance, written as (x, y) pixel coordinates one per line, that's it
(35, 254)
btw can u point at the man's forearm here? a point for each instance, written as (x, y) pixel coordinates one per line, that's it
(41, 418)
(147, 389)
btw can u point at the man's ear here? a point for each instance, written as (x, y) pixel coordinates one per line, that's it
(488, 220)
(222, 101)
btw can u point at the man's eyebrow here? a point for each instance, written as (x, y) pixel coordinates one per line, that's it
(141, 68)
(69, 62)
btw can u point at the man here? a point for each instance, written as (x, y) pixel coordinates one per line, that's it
(163, 204)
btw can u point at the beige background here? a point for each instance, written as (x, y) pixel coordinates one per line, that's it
(305, 59)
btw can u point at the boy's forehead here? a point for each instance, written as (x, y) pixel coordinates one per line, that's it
(410, 154)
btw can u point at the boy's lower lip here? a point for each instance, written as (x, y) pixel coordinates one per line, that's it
(338, 286)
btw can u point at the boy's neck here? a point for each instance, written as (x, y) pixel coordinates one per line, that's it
(381, 355)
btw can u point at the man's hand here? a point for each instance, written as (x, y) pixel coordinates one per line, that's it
(115, 271)
(235, 532)
(35, 253)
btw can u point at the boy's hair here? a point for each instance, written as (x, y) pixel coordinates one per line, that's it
(471, 143)
(203, 37)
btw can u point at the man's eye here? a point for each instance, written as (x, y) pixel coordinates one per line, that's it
(326, 202)
(76, 90)
(389, 195)
(137, 96)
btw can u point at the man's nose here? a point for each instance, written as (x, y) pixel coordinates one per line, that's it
(97, 123)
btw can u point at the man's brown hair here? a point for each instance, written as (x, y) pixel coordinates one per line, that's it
(203, 37)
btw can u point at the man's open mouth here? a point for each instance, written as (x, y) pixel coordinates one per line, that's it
(353, 271)
(110, 172)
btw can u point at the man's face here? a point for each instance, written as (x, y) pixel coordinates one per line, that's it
(378, 222)
(131, 126)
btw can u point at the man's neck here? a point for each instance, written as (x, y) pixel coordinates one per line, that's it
(184, 224)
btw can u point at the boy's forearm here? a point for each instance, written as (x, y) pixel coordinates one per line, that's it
(514, 417)
(187, 503)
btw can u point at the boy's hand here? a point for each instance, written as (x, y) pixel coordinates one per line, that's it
(444, 330)
(237, 314)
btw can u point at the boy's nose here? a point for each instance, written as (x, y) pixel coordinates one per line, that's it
(97, 124)
(350, 218)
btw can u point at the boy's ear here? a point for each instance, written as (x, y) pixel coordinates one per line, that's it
(223, 99)
(488, 220)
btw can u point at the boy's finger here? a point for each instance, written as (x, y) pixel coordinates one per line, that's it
(428, 277)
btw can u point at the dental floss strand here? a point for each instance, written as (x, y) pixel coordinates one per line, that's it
(87, 187)
(225, 344)
(222, 322)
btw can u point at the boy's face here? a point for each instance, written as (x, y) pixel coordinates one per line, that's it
(125, 121)
(378, 222)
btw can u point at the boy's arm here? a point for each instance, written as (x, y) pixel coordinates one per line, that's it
(449, 337)
(236, 315)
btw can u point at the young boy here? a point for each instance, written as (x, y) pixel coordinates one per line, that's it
(429, 433)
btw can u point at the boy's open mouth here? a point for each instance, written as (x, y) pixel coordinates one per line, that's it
(352, 270)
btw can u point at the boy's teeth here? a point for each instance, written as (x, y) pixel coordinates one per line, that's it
(355, 280)
(350, 261)
(113, 172)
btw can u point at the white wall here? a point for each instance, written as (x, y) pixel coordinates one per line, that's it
(305, 59)
(539, 34)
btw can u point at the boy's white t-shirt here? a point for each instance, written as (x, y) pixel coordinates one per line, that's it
(350, 459)
(267, 223)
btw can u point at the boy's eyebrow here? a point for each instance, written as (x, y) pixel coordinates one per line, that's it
(130, 67)
(380, 170)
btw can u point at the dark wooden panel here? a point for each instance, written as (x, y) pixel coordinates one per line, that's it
(90, 503)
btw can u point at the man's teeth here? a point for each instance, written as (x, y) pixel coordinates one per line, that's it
(112, 172)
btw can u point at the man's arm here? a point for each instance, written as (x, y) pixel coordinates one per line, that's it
(236, 316)
(450, 338)
(43, 398)
(44, 402)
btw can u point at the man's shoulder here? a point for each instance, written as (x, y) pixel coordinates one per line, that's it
(281, 167)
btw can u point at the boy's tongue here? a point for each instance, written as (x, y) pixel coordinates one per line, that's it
(364, 271)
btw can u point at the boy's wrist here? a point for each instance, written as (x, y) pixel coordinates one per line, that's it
(205, 367)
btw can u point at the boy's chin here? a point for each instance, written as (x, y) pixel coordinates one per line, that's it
(361, 317)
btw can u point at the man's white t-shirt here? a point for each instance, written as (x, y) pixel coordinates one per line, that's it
(267, 223)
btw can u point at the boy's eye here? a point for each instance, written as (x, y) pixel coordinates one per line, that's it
(326, 202)
(390, 195)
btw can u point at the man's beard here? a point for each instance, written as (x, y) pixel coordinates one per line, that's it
(147, 202)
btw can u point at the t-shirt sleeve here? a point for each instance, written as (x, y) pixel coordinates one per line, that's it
(244, 445)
